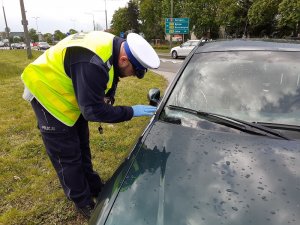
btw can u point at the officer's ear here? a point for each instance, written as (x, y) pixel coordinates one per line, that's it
(123, 60)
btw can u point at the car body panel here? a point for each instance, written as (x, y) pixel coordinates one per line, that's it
(220, 177)
(112, 187)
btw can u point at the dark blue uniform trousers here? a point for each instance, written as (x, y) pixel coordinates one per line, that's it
(69, 151)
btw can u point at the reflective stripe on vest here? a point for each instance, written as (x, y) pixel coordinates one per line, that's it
(52, 87)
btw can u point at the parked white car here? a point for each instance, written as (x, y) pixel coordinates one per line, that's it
(184, 49)
(43, 46)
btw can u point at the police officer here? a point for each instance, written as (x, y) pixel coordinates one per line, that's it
(73, 82)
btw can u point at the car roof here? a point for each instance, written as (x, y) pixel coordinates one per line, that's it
(248, 45)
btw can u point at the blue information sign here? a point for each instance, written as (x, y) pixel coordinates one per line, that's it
(177, 25)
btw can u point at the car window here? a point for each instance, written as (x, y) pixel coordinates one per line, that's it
(252, 86)
(186, 44)
(194, 43)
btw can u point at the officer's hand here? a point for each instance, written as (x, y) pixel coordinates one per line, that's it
(143, 110)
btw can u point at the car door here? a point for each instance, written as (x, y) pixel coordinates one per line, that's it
(192, 45)
(183, 51)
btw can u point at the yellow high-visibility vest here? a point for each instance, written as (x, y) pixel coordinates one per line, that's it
(52, 87)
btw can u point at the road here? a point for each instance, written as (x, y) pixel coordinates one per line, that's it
(168, 66)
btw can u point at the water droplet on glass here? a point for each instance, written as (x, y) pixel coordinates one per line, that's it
(196, 207)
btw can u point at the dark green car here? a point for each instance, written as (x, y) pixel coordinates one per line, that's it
(223, 147)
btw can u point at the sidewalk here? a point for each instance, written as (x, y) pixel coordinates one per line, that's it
(167, 75)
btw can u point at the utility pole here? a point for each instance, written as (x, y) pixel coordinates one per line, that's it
(105, 15)
(25, 23)
(171, 17)
(93, 19)
(6, 27)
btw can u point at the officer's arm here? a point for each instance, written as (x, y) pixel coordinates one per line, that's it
(89, 80)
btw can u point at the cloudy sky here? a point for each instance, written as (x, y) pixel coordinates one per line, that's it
(48, 16)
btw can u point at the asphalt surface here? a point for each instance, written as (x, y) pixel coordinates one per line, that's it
(168, 67)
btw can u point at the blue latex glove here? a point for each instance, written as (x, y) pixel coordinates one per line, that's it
(143, 110)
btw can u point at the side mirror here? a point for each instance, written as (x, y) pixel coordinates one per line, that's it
(154, 96)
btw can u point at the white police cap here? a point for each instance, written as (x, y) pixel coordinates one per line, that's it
(142, 51)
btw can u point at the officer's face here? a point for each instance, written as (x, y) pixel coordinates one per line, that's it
(127, 71)
(125, 67)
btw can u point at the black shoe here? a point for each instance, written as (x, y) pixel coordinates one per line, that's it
(97, 193)
(87, 210)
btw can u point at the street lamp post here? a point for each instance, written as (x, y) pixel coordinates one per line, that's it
(172, 12)
(6, 27)
(93, 19)
(37, 28)
(105, 15)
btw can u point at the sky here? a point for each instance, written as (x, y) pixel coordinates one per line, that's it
(48, 16)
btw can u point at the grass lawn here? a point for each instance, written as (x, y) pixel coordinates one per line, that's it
(30, 192)
(163, 50)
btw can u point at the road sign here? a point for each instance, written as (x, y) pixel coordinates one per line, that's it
(177, 25)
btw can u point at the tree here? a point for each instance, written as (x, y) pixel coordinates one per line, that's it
(166, 8)
(262, 16)
(48, 38)
(119, 23)
(33, 35)
(289, 15)
(72, 31)
(133, 15)
(58, 35)
(233, 15)
(202, 15)
(152, 21)
(228, 16)
(16, 39)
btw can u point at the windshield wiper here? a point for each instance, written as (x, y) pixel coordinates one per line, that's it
(232, 122)
(279, 126)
